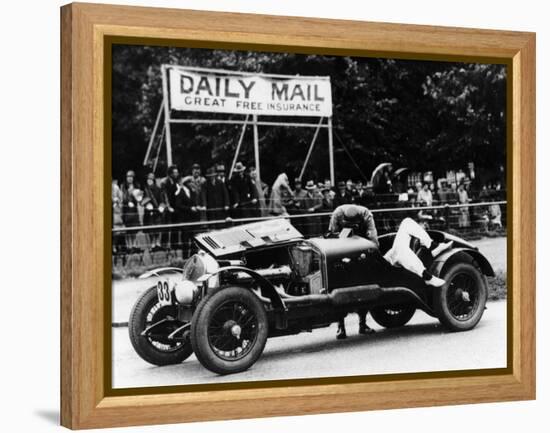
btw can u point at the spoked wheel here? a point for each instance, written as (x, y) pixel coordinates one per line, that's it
(393, 316)
(463, 297)
(229, 330)
(155, 347)
(460, 303)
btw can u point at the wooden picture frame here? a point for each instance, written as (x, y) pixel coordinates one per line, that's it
(85, 224)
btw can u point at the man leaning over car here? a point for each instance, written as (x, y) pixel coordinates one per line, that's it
(361, 220)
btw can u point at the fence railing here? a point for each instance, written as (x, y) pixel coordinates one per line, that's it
(165, 243)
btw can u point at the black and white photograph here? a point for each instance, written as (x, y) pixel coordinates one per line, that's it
(281, 216)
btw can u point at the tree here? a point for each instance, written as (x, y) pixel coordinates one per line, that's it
(419, 114)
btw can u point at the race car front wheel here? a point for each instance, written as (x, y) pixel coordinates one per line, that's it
(229, 330)
(393, 316)
(156, 348)
(460, 303)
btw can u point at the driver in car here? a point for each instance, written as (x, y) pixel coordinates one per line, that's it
(361, 220)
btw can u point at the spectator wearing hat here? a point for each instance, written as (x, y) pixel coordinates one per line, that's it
(445, 193)
(328, 185)
(281, 196)
(186, 212)
(314, 204)
(464, 212)
(186, 201)
(198, 186)
(128, 206)
(217, 195)
(298, 205)
(127, 189)
(342, 195)
(242, 195)
(258, 208)
(350, 188)
(327, 199)
(154, 209)
(169, 187)
(300, 196)
(425, 196)
(119, 239)
(220, 173)
(142, 240)
(131, 217)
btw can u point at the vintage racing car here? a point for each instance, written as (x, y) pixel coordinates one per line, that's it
(260, 280)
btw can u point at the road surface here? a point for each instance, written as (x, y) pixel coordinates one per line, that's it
(422, 345)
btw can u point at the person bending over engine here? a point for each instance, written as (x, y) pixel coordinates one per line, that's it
(361, 220)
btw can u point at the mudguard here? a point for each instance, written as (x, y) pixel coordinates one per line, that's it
(268, 290)
(441, 260)
(160, 271)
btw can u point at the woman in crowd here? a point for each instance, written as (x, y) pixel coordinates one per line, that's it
(258, 190)
(281, 194)
(314, 203)
(154, 209)
(119, 238)
(464, 216)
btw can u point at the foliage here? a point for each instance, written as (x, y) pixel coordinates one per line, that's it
(419, 114)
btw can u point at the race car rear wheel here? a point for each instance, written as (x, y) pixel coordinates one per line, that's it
(460, 303)
(156, 348)
(393, 316)
(229, 330)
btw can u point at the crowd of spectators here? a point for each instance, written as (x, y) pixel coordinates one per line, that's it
(220, 196)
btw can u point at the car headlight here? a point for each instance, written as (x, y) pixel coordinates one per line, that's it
(186, 292)
(199, 264)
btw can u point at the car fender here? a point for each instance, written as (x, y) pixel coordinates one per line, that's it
(268, 290)
(160, 271)
(440, 261)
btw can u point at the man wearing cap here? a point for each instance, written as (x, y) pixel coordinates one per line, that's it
(361, 220)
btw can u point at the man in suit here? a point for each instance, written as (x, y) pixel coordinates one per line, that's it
(169, 187)
(217, 195)
(242, 194)
(342, 195)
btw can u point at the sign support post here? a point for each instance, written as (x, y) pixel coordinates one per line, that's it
(154, 134)
(256, 145)
(330, 150)
(239, 143)
(310, 150)
(168, 134)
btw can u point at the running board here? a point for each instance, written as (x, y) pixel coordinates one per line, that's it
(344, 296)
(354, 295)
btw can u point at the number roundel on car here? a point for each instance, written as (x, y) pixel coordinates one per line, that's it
(163, 292)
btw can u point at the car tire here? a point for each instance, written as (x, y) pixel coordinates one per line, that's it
(393, 316)
(155, 351)
(229, 330)
(460, 303)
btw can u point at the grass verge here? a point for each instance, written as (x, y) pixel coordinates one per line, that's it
(497, 286)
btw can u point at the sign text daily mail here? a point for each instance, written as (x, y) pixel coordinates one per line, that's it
(192, 90)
